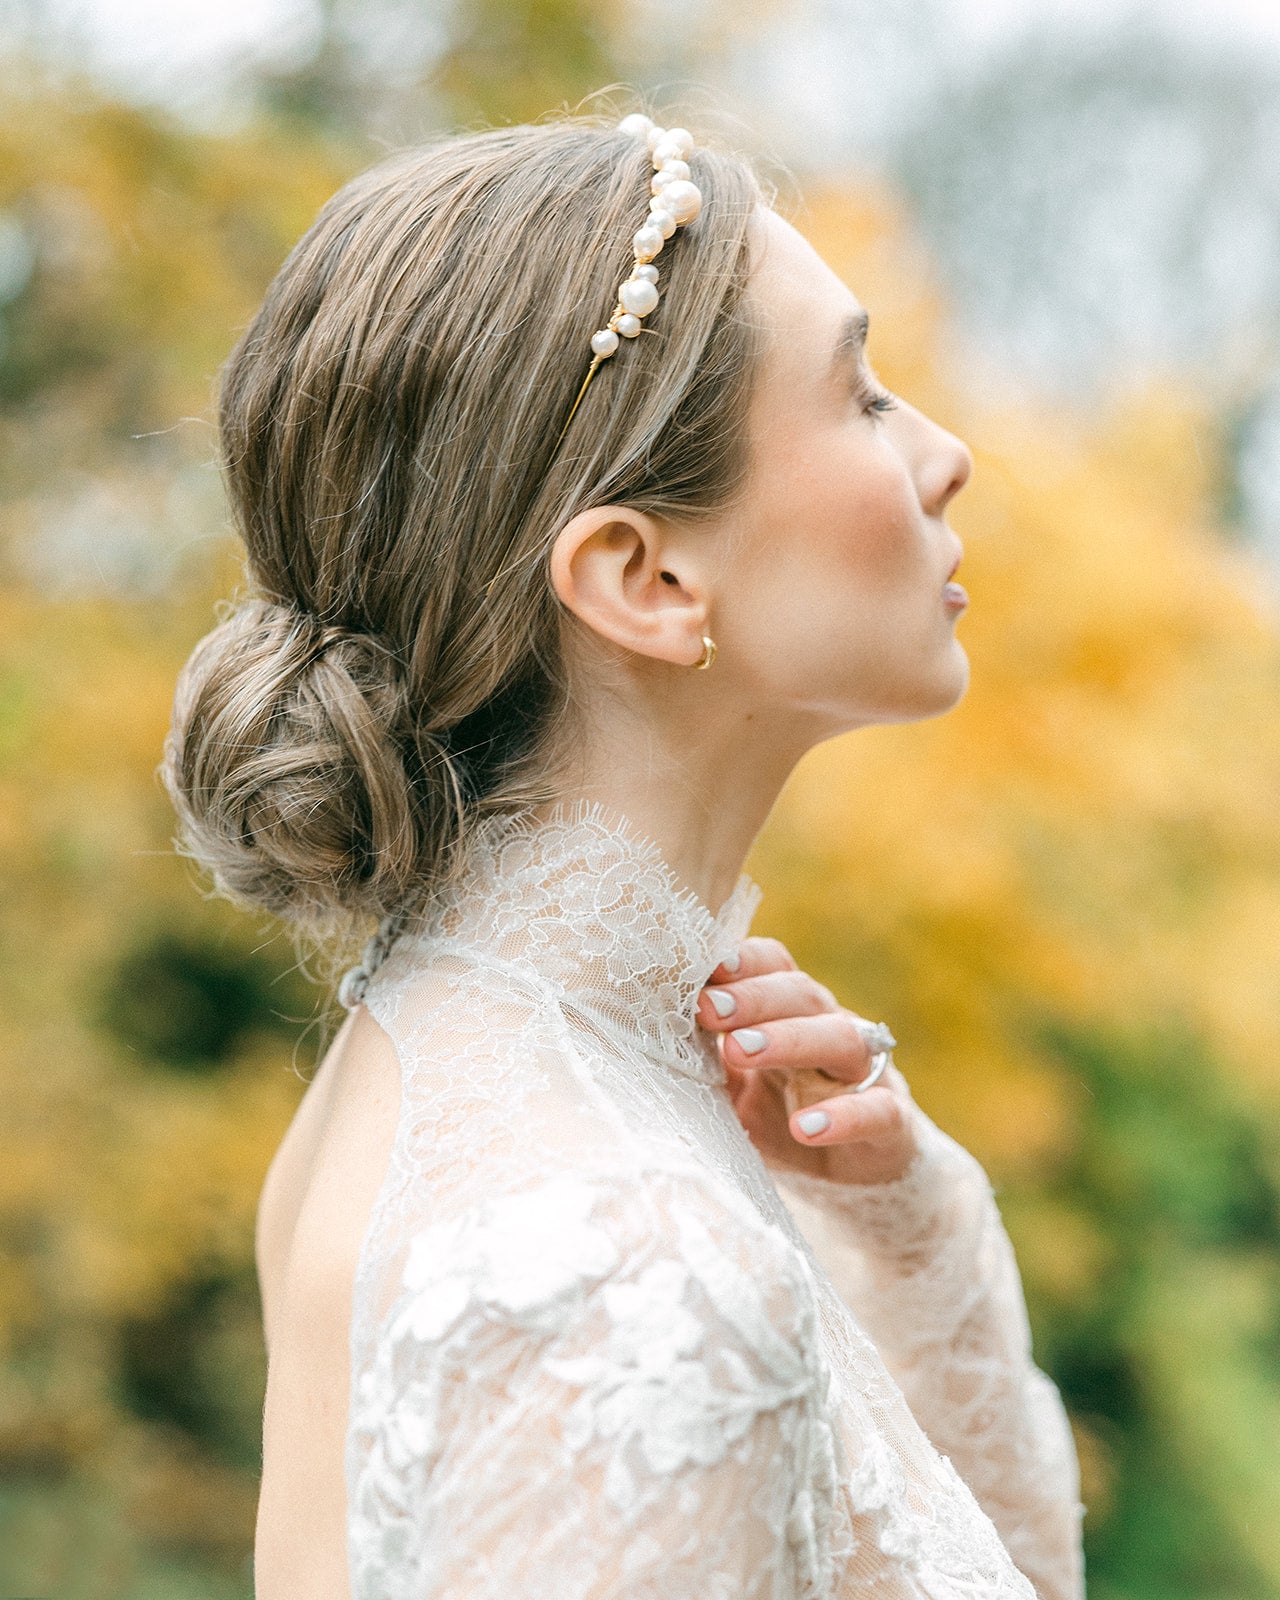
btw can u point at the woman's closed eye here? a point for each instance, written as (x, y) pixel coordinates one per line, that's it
(872, 399)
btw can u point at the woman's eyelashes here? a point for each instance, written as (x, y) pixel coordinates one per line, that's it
(880, 402)
(872, 399)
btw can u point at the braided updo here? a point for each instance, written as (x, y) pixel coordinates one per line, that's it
(388, 424)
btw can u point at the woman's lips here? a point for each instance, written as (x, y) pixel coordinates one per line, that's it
(955, 595)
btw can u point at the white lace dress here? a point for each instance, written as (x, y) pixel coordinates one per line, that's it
(594, 1352)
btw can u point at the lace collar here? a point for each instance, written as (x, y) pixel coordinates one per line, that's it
(586, 903)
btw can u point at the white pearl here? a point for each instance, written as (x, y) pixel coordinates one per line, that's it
(638, 296)
(659, 182)
(654, 134)
(669, 149)
(605, 342)
(684, 200)
(683, 138)
(675, 169)
(354, 982)
(645, 271)
(648, 240)
(637, 125)
(662, 219)
(627, 325)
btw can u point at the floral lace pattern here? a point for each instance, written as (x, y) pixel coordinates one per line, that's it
(595, 1354)
(666, 1359)
(610, 931)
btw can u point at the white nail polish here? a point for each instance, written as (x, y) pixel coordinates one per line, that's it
(812, 1122)
(723, 1001)
(732, 962)
(751, 1039)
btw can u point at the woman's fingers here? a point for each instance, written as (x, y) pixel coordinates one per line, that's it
(876, 1117)
(784, 993)
(755, 955)
(783, 1036)
(830, 1041)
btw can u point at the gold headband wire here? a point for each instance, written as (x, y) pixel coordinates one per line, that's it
(674, 200)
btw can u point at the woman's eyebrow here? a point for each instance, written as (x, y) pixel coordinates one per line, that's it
(850, 342)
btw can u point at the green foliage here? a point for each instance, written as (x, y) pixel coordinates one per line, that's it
(183, 1001)
(1178, 1179)
(196, 1363)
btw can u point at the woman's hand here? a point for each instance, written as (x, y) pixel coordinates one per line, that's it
(869, 1137)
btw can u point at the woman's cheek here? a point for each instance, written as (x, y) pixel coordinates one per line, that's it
(883, 541)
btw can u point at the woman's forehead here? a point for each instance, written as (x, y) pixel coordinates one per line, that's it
(794, 290)
(804, 307)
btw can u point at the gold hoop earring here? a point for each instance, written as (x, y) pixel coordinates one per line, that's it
(708, 653)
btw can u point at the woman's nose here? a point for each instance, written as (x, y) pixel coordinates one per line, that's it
(946, 471)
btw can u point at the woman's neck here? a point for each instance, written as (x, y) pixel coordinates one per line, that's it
(703, 821)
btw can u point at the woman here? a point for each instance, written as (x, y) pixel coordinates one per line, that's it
(541, 620)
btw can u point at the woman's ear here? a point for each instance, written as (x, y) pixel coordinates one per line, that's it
(627, 576)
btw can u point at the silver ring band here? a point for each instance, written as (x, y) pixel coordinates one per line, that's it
(879, 1062)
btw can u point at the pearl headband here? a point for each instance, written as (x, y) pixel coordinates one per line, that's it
(675, 201)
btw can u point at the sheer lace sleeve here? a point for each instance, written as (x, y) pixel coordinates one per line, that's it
(590, 1390)
(926, 1267)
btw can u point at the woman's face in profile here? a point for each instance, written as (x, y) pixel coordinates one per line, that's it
(832, 595)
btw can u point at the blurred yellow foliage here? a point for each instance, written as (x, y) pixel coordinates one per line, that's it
(1087, 849)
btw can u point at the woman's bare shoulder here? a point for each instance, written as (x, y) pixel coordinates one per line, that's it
(312, 1215)
(325, 1174)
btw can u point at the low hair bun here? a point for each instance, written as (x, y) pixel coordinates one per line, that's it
(299, 776)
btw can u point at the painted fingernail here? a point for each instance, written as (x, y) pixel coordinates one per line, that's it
(812, 1122)
(751, 1039)
(723, 1001)
(732, 962)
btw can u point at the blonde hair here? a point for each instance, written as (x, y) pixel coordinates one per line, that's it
(388, 426)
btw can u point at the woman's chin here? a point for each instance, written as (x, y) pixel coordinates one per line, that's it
(960, 675)
(942, 691)
(913, 698)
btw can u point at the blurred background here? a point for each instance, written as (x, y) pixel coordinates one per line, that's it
(1065, 894)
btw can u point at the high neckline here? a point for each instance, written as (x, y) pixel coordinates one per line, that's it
(586, 903)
